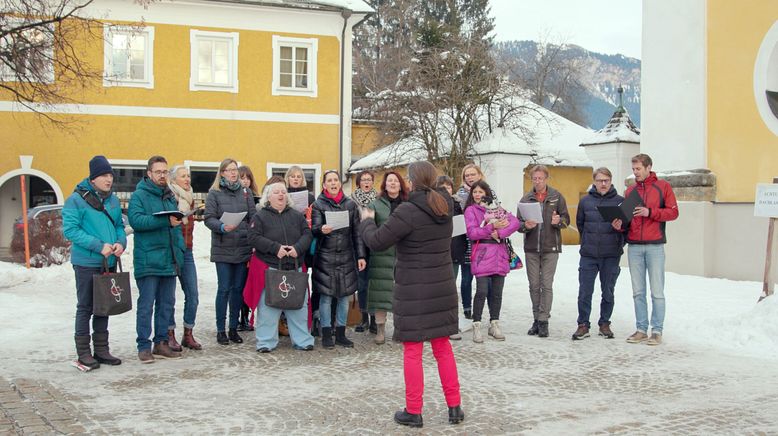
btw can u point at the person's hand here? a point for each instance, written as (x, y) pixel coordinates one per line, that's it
(616, 224)
(529, 224)
(326, 229)
(107, 250)
(174, 221)
(228, 229)
(282, 253)
(501, 224)
(366, 213)
(495, 235)
(290, 251)
(361, 264)
(641, 211)
(117, 249)
(555, 218)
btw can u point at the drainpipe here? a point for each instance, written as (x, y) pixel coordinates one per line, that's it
(346, 14)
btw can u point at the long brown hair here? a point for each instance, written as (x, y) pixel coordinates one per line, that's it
(423, 176)
(403, 186)
(243, 170)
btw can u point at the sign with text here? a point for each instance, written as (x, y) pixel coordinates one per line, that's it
(766, 203)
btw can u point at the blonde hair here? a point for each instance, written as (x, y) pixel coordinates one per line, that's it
(269, 190)
(292, 169)
(539, 168)
(175, 170)
(602, 170)
(476, 168)
(222, 166)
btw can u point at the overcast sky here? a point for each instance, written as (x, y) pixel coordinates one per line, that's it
(605, 26)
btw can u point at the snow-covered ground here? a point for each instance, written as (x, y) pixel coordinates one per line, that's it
(707, 320)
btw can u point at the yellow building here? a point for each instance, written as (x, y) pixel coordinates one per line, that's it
(259, 81)
(708, 116)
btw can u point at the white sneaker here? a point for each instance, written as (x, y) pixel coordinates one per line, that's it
(478, 336)
(495, 332)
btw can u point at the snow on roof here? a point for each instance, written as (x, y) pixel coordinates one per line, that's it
(620, 128)
(358, 6)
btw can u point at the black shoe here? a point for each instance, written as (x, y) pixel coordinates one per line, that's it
(235, 337)
(402, 417)
(222, 338)
(307, 348)
(373, 326)
(326, 338)
(315, 327)
(242, 326)
(468, 314)
(264, 350)
(533, 331)
(542, 329)
(364, 324)
(341, 339)
(455, 415)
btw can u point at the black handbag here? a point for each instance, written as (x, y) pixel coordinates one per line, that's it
(111, 293)
(285, 290)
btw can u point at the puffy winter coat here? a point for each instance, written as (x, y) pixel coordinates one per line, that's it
(458, 243)
(424, 299)
(89, 229)
(659, 197)
(335, 260)
(489, 256)
(270, 229)
(159, 248)
(381, 272)
(233, 246)
(598, 238)
(546, 237)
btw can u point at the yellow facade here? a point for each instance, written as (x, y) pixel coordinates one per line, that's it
(742, 151)
(573, 183)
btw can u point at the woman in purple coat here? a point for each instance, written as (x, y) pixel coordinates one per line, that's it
(488, 225)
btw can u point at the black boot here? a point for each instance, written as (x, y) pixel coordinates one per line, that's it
(373, 326)
(235, 337)
(84, 352)
(542, 329)
(468, 314)
(315, 326)
(341, 339)
(364, 324)
(533, 331)
(222, 338)
(102, 353)
(455, 415)
(402, 417)
(326, 338)
(243, 319)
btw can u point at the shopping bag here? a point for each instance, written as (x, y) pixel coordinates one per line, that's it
(285, 290)
(354, 314)
(513, 259)
(111, 293)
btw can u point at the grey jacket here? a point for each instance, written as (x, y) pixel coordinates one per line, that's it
(229, 247)
(546, 237)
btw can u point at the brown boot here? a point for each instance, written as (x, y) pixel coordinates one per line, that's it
(189, 341)
(283, 327)
(172, 342)
(380, 336)
(162, 350)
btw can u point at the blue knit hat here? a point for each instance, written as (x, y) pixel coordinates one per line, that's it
(98, 166)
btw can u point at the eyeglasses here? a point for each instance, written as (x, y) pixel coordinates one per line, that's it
(603, 181)
(230, 170)
(160, 173)
(538, 179)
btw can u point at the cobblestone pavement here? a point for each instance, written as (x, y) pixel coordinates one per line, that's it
(524, 385)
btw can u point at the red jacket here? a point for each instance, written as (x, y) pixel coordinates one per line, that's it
(658, 196)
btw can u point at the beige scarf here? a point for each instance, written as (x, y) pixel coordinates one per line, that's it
(185, 200)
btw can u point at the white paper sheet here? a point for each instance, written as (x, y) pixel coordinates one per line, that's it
(531, 212)
(299, 200)
(232, 218)
(459, 225)
(337, 220)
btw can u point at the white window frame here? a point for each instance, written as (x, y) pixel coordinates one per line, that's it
(312, 44)
(10, 75)
(234, 40)
(148, 61)
(285, 166)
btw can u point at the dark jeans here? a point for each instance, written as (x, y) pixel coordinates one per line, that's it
(362, 283)
(156, 296)
(230, 277)
(466, 287)
(588, 268)
(188, 279)
(488, 289)
(84, 302)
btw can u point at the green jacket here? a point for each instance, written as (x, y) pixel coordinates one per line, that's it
(159, 248)
(381, 272)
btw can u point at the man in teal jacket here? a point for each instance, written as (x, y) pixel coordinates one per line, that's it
(92, 221)
(158, 256)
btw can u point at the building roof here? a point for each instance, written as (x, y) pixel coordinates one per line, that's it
(358, 6)
(620, 128)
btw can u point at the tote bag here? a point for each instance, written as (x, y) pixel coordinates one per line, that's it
(111, 293)
(285, 290)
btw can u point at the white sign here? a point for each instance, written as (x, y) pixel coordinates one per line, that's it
(766, 203)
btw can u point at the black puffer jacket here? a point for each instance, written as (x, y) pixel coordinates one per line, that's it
(271, 229)
(229, 247)
(598, 238)
(335, 260)
(458, 243)
(425, 294)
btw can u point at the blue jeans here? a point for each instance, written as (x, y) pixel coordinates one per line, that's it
(648, 258)
(325, 311)
(84, 302)
(267, 327)
(230, 277)
(588, 268)
(188, 281)
(466, 287)
(156, 295)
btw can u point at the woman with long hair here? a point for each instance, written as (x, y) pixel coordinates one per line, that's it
(424, 298)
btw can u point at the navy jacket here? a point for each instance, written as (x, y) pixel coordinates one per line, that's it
(598, 238)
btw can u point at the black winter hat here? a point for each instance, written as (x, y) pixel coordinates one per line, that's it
(98, 166)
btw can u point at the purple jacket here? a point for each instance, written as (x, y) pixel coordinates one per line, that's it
(488, 258)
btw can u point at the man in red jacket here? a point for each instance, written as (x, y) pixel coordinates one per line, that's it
(646, 254)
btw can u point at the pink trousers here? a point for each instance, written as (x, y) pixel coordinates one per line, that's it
(414, 373)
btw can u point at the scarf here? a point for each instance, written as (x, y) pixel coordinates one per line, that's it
(185, 199)
(363, 198)
(234, 186)
(337, 199)
(394, 202)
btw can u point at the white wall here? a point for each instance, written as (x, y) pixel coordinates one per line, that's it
(673, 116)
(741, 242)
(616, 157)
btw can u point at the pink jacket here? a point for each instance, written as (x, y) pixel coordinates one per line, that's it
(488, 258)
